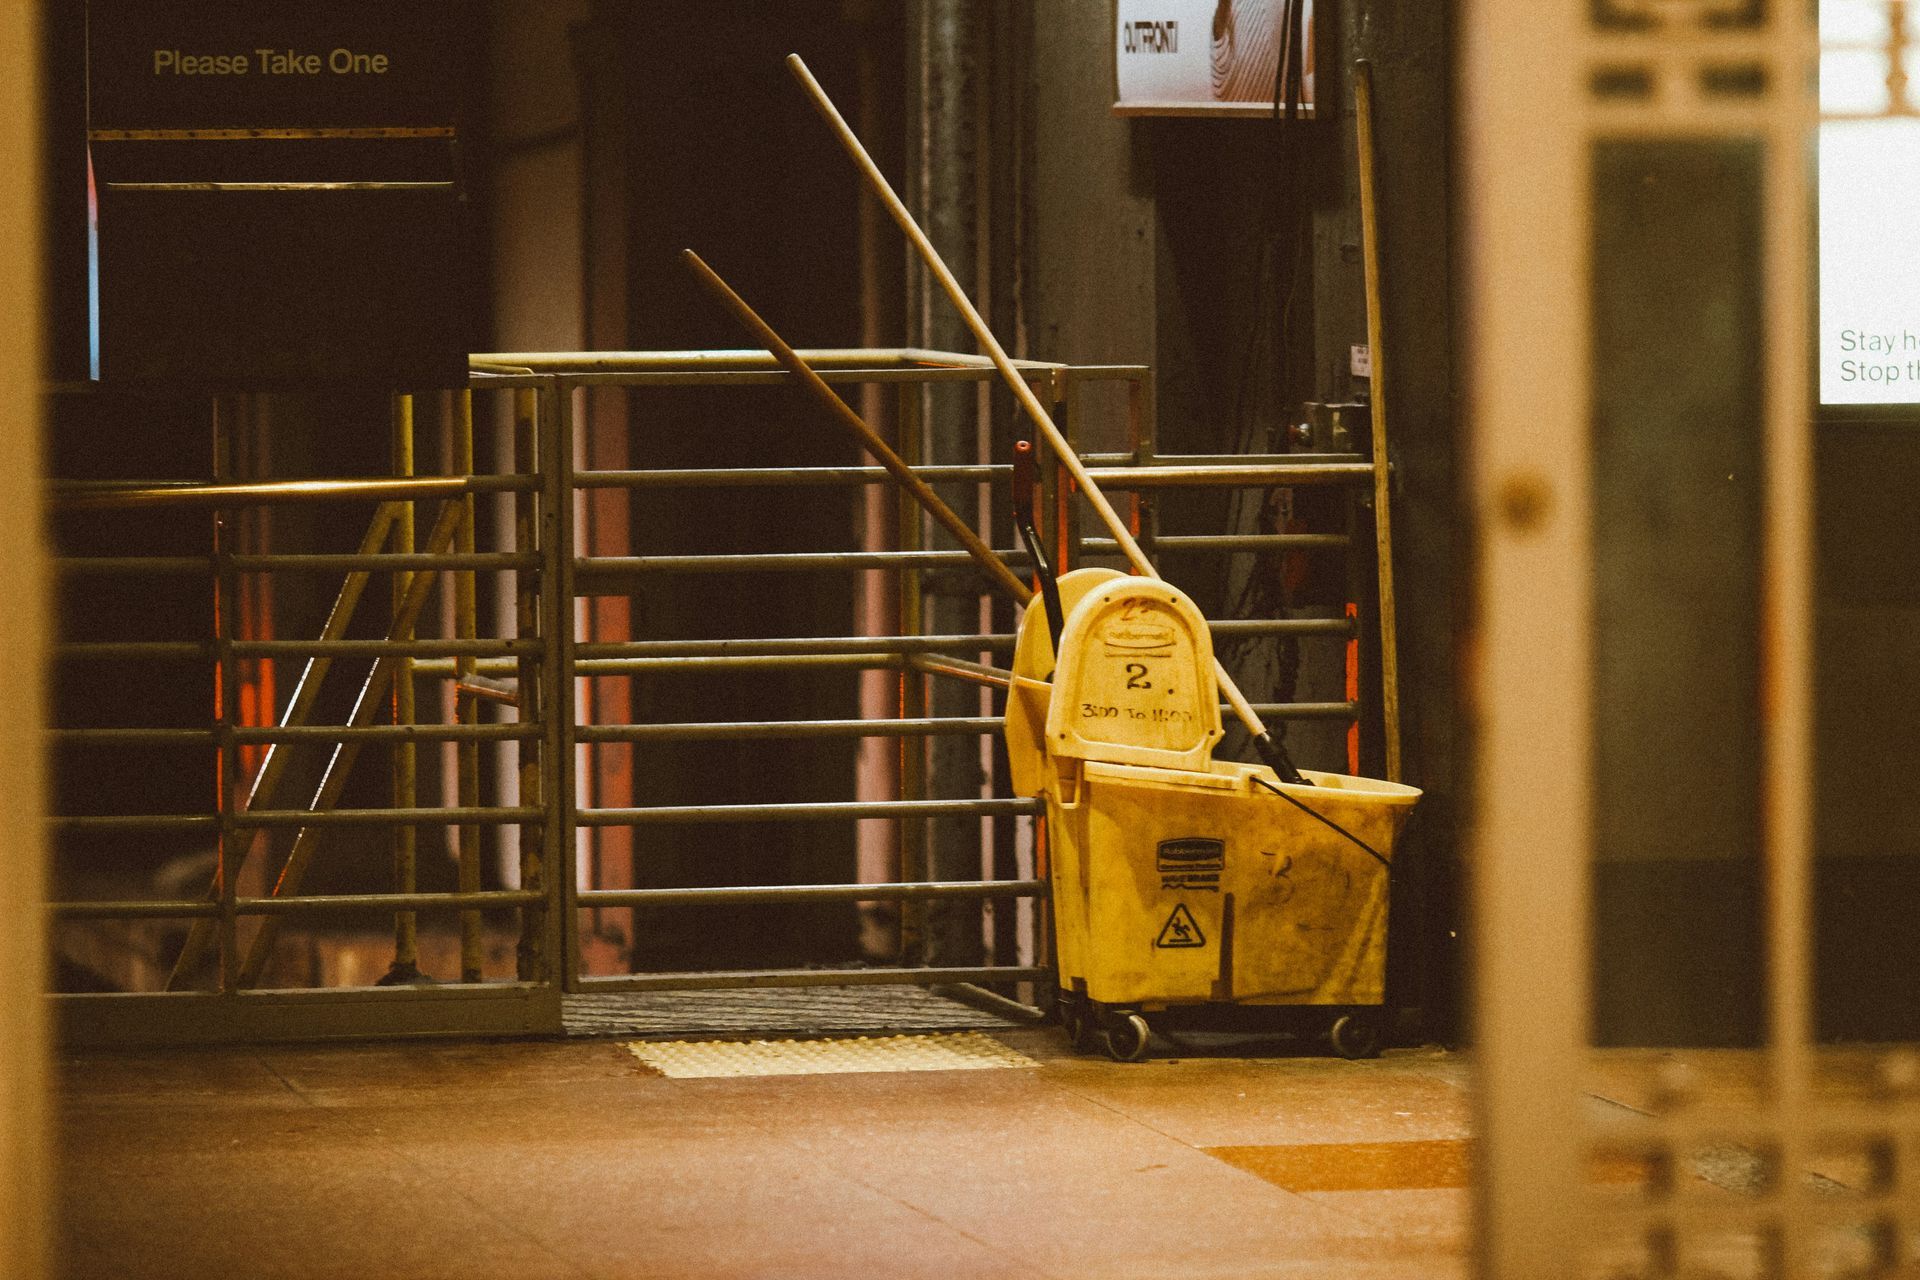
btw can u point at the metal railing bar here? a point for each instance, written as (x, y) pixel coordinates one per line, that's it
(134, 737)
(723, 731)
(935, 664)
(895, 645)
(873, 661)
(445, 669)
(770, 662)
(146, 910)
(157, 650)
(146, 566)
(387, 648)
(504, 379)
(991, 1002)
(825, 811)
(390, 732)
(300, 733)
(134, 650)
(151, 822)
(121, 495)
(799, 645)
(298, 905)
(1234, 477)
(1220, 460)
(333, 563)
(1282, 627)
(1261, 469)
(1304, 710)
(780, 377)
(715, 360)
(737, 979)
(781, 477)
(206, 909)
(782, 562)
(411, 816)
(1199, 543)
(735, 896)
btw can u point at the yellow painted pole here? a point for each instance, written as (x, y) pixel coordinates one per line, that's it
(532, 962)
(913, 691)
(1377, 382)
(406, 942)
(466, 709)
(226, 626)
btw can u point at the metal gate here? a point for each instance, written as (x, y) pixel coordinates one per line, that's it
(514, 664)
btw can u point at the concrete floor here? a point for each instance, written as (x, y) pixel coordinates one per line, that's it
(572, 1159)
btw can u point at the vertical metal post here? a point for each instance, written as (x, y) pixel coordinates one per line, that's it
(1068, 511)
(406, 947)
(558, 596)
(226, 682)
(534, 957)
(1382, 474)
(466, 710)
(1531, 656)
(913, 687)
(1787, 607)
(1142, 438)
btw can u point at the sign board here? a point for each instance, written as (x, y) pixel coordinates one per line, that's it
(278, 193)
(243, 63)
(1869, 266)
(1204, 57)
(1869, 186)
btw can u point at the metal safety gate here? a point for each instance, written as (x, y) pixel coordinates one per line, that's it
(496, 653)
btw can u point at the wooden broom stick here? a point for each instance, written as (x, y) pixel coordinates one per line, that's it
(1270, 750)
(853, 422)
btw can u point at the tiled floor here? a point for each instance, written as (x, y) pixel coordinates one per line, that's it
(531, 1160)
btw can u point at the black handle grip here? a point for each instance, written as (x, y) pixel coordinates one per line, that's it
(1026, 474)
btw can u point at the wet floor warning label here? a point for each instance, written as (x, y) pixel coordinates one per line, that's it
(1181, 930)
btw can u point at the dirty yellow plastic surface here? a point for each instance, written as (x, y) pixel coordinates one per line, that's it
(1176, 878)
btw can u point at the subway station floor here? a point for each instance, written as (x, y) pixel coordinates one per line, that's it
(576, 1159)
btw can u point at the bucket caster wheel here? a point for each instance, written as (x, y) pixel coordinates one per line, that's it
(1354, 1036)
(1077, 1020)
(1078, 1024)
(1127, 1038)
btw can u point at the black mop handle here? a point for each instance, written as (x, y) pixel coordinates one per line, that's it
(1025, 476)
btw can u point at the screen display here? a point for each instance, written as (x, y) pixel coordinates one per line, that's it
(1869, 331)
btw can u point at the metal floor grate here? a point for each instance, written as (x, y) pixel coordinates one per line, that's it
(711, 1059)
(798, 1011)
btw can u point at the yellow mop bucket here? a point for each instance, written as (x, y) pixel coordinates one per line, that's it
(1179, 879)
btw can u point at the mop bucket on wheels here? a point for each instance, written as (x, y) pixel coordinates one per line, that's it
(1178, 879)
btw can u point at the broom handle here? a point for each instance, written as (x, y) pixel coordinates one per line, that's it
(870, 439)
(1021, 391)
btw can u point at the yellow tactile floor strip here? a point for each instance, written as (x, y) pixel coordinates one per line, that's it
(706, 1059)
(1354, 1166)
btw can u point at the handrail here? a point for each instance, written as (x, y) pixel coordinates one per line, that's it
(249, 493)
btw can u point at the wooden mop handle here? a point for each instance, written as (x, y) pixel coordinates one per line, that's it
(868, 437)
(1269, 749)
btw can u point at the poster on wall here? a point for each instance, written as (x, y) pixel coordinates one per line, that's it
(1204, 57)
(1869, 188)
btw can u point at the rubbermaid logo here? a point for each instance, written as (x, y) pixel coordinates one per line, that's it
(1194, 862)
(1152, 37)
(1135, 635)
